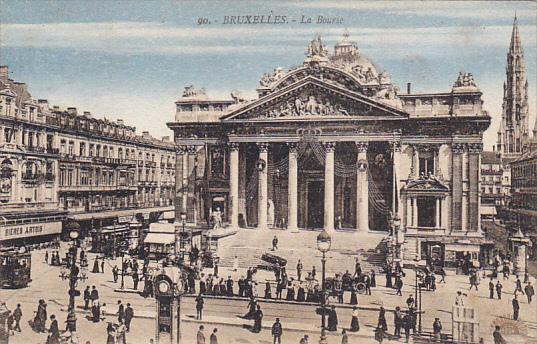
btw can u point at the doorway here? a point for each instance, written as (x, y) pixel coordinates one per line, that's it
(315, 210)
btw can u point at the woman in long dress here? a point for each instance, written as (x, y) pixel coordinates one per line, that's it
(332, 319)
(354, 297)
(355, 325)
(95, 266)
(268, 292)
(258, 317)
(382, 320)
(111, 334)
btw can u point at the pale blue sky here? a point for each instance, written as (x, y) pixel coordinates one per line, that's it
(131, 59)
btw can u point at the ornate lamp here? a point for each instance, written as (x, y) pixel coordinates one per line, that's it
(324, 242)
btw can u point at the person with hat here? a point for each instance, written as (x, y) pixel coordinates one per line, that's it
(437, 328)
(277, 331)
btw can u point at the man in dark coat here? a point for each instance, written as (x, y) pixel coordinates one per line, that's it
(54, 331)
(499, 290)
(491, 289)
(497, 335)
(397, 321)
(17, 315)
(437, 328)
(199, 307)
(87, 297)
(129, 314)
(241, 286)
(229, 286)
(94, 294)
(332, 320)
(120, 312)
(258, 317)
(102, 266)
(135, 279)
(516, 308)
(399, 286)
(529, 291)
(277, 331)
(115, 273)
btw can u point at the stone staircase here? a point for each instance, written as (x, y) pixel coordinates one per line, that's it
(249, 245)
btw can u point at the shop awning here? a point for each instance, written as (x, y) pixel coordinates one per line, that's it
(488, 211)
(159, 238)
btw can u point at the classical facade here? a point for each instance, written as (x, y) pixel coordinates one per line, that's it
(63, 162)
(333, 144)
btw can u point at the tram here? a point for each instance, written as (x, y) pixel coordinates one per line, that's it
(15, 268)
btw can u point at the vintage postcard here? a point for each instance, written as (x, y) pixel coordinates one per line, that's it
(246, 172)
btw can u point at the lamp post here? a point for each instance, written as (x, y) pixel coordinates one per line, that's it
(182, 242)
(73, 277)
(324, 241)
(397, 247)
(417, 297)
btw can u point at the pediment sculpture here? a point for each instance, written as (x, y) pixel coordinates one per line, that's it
(268, 79)
(312, 106)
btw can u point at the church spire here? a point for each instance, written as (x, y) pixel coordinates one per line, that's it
(513, 135)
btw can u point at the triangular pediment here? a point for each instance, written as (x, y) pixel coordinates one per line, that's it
(429, 184)
(312, 98)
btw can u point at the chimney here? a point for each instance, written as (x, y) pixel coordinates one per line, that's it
(56, 108)
(87, 114)
(4, 73)
(145, 135)
(165, 139)
(71, 110)
(408, 87)
(120, 122)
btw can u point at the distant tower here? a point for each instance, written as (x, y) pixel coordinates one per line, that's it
(513, 135)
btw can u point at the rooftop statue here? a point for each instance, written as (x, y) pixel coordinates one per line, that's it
(465, 80)
(316, 48)
(190, 91)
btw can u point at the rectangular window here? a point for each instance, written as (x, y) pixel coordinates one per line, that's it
(426, 161)
(426, 212)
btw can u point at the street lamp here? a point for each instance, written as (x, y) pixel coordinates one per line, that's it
(396, 228)
(417, 288)
(74, 232)
(182, 242)
(324, 241)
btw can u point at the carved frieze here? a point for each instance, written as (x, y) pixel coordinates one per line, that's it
(458, 148)
(309, 105)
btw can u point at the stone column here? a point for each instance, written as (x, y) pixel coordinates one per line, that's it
(192, 215)
(362, 188)
(329, 147)
(184, 180)
(234, 183)
(292, 203)
(415, 162)
(178, 203)
(262, 195)
(415, 212)
(474, 151)
(397, 205)
(457, 167)
(437, 213)
(408, 212)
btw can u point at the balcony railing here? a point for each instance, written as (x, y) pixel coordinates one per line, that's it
(36, 149)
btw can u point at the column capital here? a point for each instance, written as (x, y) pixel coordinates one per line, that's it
(233, 146)
(292, 146)
(191, 150)
(329, 146)
(475, 148)
(263, 146)
(458, 148)
(396, 146)
(362, 146)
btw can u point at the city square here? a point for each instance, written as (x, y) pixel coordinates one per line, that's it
(321, 203)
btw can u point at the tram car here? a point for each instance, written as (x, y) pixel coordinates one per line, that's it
(15, 268)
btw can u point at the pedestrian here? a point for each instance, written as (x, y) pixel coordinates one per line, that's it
(382, 320)
(111, 334)
(200, 336)
(229, 287)
(437, 329)
(304, 340)
(258, 318)
(199, 307)
(268, 293)
(53, 331)
(332, 320)
(367, 282)
(344, 337)
(120, 311)
(102, 266)
(103, 311)
(407, 324)
(497, 335)
(388, 278)
(399, 286)
(94, 294)
(526, 277)
(518, 287)
(379, 335)
(41, 316)
(129, 314)
(252, 306)
(410, 301)
(354, 296)
(473, 281)
(17, 315)
(516, 308)
(529, 291)
(115, 273)
(357, 268)
(397, 321)
(442, 274)
(96, 312)
(499, 290)
(95, 266)
(277, 331)
(275, 243)
(299, 268)
(10, 321)
(215, 268)
(313, 272)
(46, 257)
(355, 325)
(373, 279)
(213, 339)
(491, 289)
(135, 279)
(87, 298)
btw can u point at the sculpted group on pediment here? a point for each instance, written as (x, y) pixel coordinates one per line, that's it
(307, 105)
